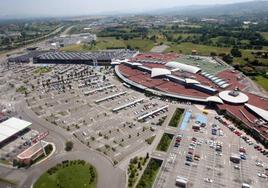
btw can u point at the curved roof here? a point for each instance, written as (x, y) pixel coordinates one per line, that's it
(183, 67)
(218, 80)
(262, 113)
(159, 72)
(211, 76)
(214, 78)
(221, 83)
(215, 99)
(225, 86)
(191, 81)
(239, 98)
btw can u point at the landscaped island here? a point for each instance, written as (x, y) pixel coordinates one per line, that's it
(165, 142)
(176, 117)
(149, 174)
(68, 174)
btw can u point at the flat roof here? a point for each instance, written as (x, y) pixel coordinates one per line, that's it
(11, 127)
(31, 151)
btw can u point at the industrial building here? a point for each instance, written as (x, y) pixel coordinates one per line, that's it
(91, 58)
(11, 128)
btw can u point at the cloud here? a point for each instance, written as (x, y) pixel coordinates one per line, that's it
(82, 7)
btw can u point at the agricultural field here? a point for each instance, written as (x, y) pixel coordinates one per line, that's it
(187, 47)
(104, 43)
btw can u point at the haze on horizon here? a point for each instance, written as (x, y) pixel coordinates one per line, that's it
(89, 7)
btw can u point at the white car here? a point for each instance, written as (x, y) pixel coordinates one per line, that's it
(190, 147)
(259, 164)
(237, 167)
(208, 180)
(262, 175)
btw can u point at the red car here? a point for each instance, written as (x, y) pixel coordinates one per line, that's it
(241, 149)
(178, 139)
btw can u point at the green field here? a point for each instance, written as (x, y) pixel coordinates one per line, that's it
(69, 175)
(262, 81)
(187, 47)
(148, 177)
(104, 43)
(165, 142)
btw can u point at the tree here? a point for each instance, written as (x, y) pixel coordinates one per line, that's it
(147, 156)
(68, 146)
(235, 52)
(213, 54)
(227, 58)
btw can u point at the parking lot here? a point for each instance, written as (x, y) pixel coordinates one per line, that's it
(203, 159)
(93, 106)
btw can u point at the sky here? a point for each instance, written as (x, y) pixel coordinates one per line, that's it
(88, 7)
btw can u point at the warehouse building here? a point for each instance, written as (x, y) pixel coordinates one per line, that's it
(11, 128)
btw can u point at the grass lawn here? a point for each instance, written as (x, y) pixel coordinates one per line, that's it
(73, 48)
(73, 175)
(42, 70)
(104, 43)
(187, 47)
(174, 122)
(21, 89)
(265, 35)
(262, 81)
(165, 142)
(148, 177)
(248, 54)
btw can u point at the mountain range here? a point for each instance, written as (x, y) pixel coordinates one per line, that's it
(251, 7)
